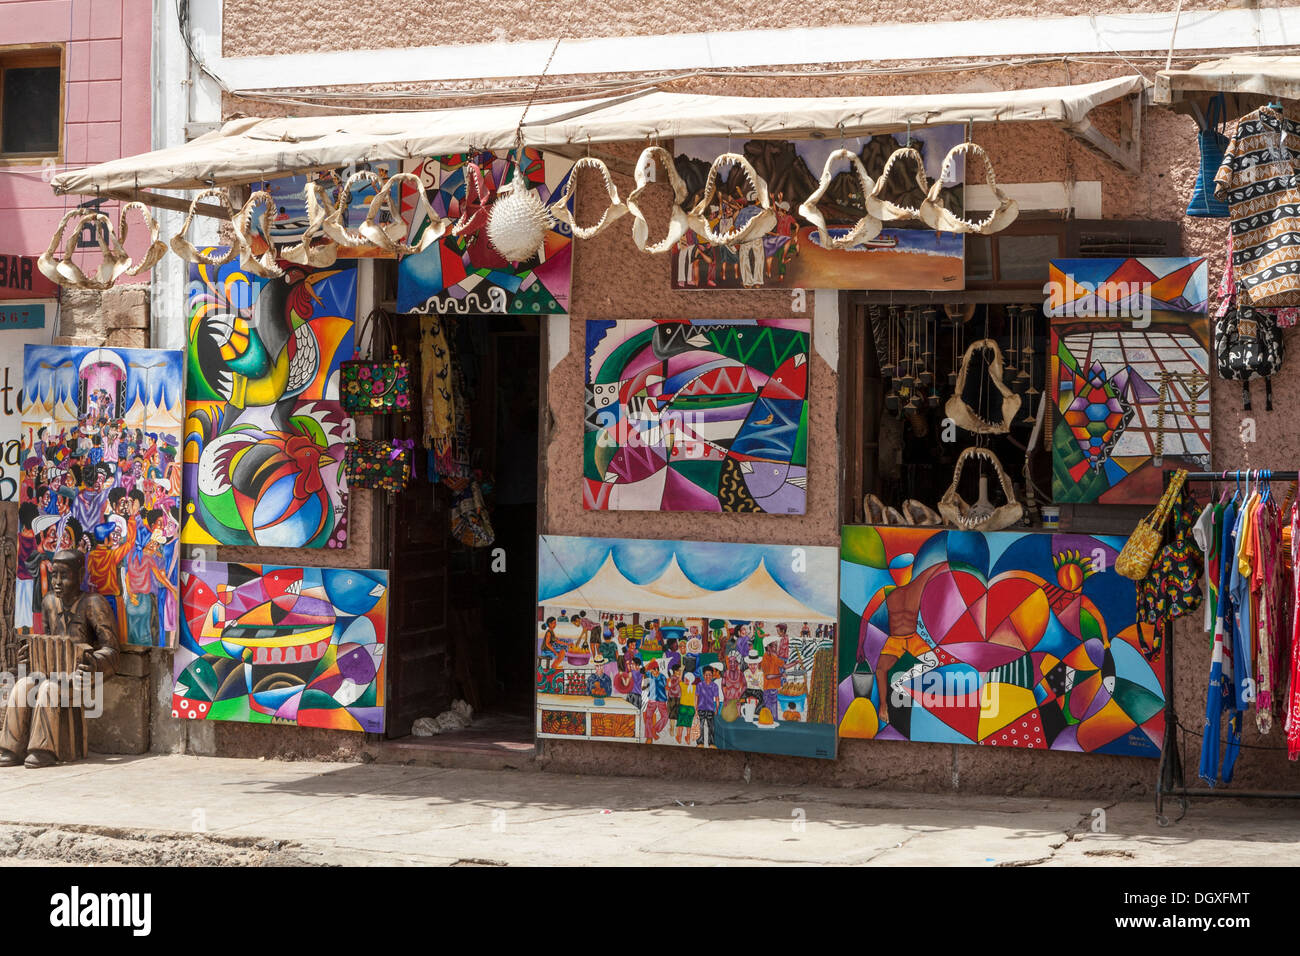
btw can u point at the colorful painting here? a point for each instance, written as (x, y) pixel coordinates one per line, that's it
(909, 256)
(265, 430)
(22, 323)
(1131, 378)
(995, 638)
(265, 644)
(1131, 288)
(696, 415)
(465, 275)
(101, 474)
(289, 195)
(687, 644)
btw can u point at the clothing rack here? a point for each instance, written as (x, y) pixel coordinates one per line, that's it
(1171, 776)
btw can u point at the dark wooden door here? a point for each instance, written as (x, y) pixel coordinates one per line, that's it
(419, 675)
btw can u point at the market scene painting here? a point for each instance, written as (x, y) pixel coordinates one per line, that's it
(1130, 372)
(267, 644)
(265, 430)
(101, 475)
(687, 644)
(464, 273)
(792, 254)
(995, 638)
(688, 415)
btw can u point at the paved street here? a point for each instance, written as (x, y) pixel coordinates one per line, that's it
(205, 810)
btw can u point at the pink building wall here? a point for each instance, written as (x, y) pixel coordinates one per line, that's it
(106, 105)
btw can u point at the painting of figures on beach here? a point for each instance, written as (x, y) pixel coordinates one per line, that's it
(687, 644)
(696, 415)
(265, 429)
(904, 255)
(100, 446)
(995, 638)
(465, 275)
(267, 644)
(1130, 370)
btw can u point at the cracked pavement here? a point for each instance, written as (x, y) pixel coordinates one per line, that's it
(182, 810)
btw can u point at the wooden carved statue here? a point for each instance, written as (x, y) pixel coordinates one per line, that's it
(44, 718)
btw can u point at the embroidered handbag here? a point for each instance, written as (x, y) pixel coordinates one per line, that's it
(372, 387)
(1139, 551)
(1213, 145)
(379, 464)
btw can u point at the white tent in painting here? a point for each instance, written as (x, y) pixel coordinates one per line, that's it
(758, 597)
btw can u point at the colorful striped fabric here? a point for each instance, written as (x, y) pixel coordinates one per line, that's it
(1258, 181)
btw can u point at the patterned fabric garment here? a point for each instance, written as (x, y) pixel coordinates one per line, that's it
(1258, 181)
(1293, 704)
(1264, 592)
(436, 391)
(1286, 317)
(1172, 587)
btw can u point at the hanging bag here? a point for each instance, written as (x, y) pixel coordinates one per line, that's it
(1248, 345)
(380, 464)
(1213, 144)
(1139, 551)
(371, 387)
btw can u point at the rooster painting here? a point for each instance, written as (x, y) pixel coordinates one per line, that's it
(265, 428)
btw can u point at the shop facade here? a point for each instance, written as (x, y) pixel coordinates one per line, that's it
(1110, 175)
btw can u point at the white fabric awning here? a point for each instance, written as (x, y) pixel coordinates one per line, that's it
(1276, 77)
(247, 150)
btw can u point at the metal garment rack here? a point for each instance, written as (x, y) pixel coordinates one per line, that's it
(1171, 777)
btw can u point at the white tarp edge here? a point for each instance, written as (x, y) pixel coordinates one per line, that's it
(1272, 76)
(247, 150)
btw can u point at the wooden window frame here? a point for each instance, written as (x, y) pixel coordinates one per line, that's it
(36, 55)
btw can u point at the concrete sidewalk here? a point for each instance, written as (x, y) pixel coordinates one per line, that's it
(205, 810)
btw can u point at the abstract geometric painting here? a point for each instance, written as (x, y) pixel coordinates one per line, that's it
(465, 274)
(791, 254)
(1131, 378)
(265, 644)
(264, 432)
(687, 644)
(995, 638)
(101, 474)
(1126, 287)
(688, 415)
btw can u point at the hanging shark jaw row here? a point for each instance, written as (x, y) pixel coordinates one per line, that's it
(867, 227)
(678, 223)
(757, 226)
(615, 209)
(335, 225)
(962, 414)
(983, 515)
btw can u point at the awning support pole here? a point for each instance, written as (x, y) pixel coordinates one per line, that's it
(163, 202)
(1127, 153)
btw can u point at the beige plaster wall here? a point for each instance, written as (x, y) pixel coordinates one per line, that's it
(271, 28)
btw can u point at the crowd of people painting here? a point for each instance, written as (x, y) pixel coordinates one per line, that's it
(684, 675)
(111, 492)
(753, 263)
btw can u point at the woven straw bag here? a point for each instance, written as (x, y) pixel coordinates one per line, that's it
(1139, 551)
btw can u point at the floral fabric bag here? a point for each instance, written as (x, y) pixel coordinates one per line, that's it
(379, 464)
(371, 387)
